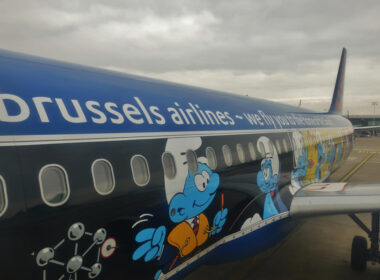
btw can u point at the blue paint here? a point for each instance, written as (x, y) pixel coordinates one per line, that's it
(300, 172)
(267, 182)
(197, 195)
(26, 77)
(321, 148)
(153, 240)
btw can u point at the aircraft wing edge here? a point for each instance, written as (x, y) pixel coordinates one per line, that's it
(335, 198)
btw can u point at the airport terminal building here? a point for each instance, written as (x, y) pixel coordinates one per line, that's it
(364, 120)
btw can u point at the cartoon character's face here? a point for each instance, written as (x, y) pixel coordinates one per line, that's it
(198, 193)
(265, 176)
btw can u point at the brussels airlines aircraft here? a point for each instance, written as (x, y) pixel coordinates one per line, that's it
(105, 175)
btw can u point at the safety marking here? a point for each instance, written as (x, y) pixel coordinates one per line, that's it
(367, 152)
(356, 168)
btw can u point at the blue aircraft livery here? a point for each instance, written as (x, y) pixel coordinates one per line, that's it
(106, 175)
(56, 98)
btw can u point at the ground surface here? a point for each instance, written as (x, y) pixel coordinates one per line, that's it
(320, 248)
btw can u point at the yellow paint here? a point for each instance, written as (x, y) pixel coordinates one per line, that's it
(185, 240)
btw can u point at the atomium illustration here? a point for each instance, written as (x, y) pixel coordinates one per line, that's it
(77, 235)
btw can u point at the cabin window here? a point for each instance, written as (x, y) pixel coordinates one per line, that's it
(103, 177)
(54, 185)
(252, 151)
(168, 164)
(278, 146)
(227, 155)
(211, 158)
(240, 152)
(140, 170)
(3, 196)
(262, 149)
(192, 161)
(286, 149)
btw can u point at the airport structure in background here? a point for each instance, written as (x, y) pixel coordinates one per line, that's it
(364, 120)
(321, 247)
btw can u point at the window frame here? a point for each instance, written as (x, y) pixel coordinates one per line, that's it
(226, 147)
(67, 185)
(4, 188)
(241, 154)
(93, 175)
(133, 174)
(252, 150)
(193, 154)
(212, 150)
(163, 165)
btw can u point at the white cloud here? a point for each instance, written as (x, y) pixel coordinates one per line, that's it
(283, 51)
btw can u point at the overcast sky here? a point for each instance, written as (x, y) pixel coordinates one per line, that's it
(282, 50)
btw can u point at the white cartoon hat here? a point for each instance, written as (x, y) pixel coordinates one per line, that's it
(268, 151)
(178, 147)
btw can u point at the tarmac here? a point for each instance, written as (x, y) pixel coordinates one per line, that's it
(320, 248)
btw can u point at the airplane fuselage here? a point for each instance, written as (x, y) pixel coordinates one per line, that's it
(107, 176)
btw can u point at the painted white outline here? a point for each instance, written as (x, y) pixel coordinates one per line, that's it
(23, 140)
(285, 144)
(93, 175)
(67, 185)
(147, 168)
(4, 188)
(278, 146)
(163, 165)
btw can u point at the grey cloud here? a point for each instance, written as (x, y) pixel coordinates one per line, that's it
(259, 48)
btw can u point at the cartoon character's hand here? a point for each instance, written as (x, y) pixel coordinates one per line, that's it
(219, 221)
(153, 240)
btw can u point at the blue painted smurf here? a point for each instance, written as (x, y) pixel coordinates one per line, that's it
(186, 209)
(267, 178)
(301, 163)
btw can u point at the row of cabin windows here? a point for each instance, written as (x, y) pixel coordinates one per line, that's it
(169, 165)
(54, 181)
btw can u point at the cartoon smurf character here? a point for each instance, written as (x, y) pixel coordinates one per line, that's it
(321, 148)
(300, 163)
(267, 178)
(188, 194)
(330, 152)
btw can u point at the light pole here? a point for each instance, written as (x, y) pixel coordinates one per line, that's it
(374, 104)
